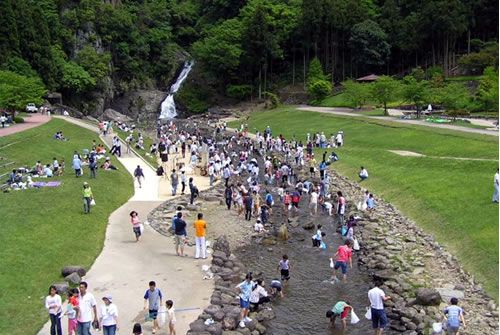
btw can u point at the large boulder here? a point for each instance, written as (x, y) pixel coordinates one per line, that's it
(428, 297)
(73, 278)
(111, 114)
(62, 288)
(67, 270)
(222, 244)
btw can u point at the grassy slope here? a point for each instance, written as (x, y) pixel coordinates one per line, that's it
(45, 229)
(449, 198)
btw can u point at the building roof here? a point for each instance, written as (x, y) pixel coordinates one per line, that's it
(371, 77)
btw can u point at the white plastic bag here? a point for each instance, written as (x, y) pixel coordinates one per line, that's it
(331, 263)
(355, 244)
(437, 327)
(92, 202)
(368, 313)
(354, 317)
(141, 227)
(162, 317)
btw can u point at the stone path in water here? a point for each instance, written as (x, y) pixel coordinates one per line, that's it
(31, 121)
(124, 267)
(346, 112)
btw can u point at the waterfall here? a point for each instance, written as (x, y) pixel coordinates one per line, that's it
(168, 110)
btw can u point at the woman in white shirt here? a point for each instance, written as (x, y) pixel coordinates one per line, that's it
(109, 316)
(259, 294)
(53, 303)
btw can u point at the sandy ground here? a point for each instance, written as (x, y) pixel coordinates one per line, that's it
(124, 267)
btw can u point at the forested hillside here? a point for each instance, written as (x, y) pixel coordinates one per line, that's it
(98, 50)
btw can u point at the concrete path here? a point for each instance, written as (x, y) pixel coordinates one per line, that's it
(124, 267)
(345, 112)
(32, 121)
(406, 153)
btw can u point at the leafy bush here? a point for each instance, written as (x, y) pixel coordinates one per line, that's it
(318, 90)
(272, 100)
(357, 93)
(476, 62)
(240, 92)
(18, 119)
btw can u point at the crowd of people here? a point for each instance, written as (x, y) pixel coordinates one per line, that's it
(259, 175)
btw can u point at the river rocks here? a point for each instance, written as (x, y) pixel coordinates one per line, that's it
(222, 244)
(308, 225)
(62, 288)
(265, 315)
(67, 270)
(447, 294)
(73, 278)
(428, 297)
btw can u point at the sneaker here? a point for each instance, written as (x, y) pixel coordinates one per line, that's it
(247, 319)
(242, 324)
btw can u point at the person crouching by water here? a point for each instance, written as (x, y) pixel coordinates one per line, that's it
(341, 308)
(258, 296)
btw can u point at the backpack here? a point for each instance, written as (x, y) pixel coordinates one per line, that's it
(295, 198)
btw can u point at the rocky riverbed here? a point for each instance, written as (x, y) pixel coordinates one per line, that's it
(418, 273)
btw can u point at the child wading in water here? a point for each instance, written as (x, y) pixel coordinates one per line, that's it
(171, 317)
(284, 268)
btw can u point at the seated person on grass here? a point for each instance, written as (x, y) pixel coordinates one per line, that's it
(108, 166)
(47, 171)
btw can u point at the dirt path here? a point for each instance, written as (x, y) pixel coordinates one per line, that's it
(124, 267)
(32, 121)
(405, 153)
(345, 112)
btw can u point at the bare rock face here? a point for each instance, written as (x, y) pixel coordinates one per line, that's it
(139, 104)
(67, 270)
(428, 297)
(111, 114)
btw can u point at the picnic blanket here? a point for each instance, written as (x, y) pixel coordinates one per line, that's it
(46, 184)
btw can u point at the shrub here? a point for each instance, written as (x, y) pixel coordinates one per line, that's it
(240, 92)
(18, 119)
(272, 100)
(318, 90)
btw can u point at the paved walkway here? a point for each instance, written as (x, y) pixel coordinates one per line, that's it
(32, 121)
(125, 267)
(345, 112)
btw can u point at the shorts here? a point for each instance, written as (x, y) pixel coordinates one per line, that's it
(285, 274)
(179, 240)
(342, 265)
(244, 303)
(137, 231)
(344, 313)
(379, 319)
(153, 314)
(295, 204)
(276, 287)
(452, 330)
(72, 325)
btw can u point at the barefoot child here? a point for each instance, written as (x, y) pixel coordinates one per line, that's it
(171, 317)
(284, 268)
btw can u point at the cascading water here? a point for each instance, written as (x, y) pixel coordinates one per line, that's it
(168, 110)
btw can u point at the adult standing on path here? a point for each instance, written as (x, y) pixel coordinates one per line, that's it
(109, 316)
(495, 185)
(87, 197)
(180, 234)
(193, 190)
(174, 180)
(53, 303)
(139, 175)
(377, 298)
(152, 302)
(87, 305)
(200, 227)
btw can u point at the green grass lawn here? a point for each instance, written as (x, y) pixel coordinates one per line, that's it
(450, 199)
(45, 229)
(338, 100)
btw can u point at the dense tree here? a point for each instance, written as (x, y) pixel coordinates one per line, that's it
(358, 94)
(488, 89)
(16, 91)
(384, 90)
(416, 92)
(369, 44)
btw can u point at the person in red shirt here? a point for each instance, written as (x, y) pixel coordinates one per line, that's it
(287, 201)
(342, 256)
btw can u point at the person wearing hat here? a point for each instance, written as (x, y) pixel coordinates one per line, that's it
(87, 197)
(109, 316)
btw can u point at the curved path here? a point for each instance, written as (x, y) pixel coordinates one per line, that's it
(30, 121)
(124, 268)
(346, 112)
